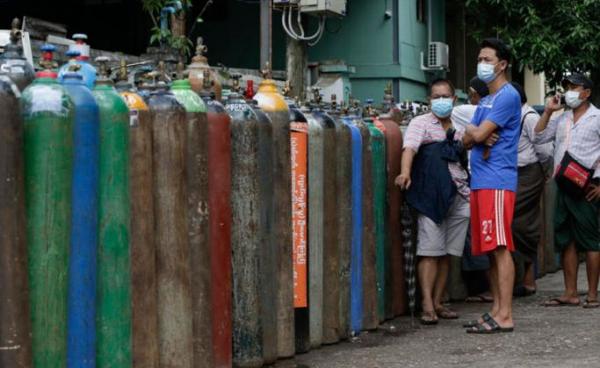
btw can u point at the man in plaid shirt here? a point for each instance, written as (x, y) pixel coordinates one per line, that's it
(576, 132)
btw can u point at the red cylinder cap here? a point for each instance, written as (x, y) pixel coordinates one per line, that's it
(46, 74)
(249, 89)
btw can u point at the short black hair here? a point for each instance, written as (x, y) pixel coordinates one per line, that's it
(521, 91)
(479, 86)
(502, 50)
(439, 81)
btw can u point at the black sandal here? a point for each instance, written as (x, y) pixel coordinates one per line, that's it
(474, 323)
(494, 328)
(428, 319)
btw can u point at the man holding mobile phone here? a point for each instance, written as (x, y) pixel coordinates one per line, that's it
(576, 133)
(494, 182)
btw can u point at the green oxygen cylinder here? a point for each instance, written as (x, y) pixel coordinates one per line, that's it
(48, 115)
(113, 318)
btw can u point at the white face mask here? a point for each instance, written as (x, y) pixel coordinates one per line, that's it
(572, 99)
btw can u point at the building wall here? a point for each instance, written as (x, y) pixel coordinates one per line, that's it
(383, 49)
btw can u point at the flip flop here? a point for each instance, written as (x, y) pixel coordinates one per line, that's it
(474, 323)
(428, 319)
(591, 304)
(494, 328)
(557, 302)
(446, 313)
(521, 291)
(479, 299)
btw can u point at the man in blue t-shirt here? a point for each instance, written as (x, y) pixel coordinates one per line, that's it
(494, 181)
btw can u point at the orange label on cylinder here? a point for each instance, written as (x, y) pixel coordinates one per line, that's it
(299, 145)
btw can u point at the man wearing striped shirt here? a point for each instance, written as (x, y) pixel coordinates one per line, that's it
(576, 132)
(443, 234)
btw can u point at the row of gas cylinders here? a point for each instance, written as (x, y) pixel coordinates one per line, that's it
(171, 230)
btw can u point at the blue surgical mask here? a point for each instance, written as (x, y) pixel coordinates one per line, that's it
(442, 107)
(486, 72)
(572, 99)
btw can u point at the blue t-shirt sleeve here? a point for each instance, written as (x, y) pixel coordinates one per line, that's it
(503, 110)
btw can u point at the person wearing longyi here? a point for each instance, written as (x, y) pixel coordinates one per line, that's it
(576, 134)
(494, 181)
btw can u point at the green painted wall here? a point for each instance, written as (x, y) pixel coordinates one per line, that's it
(366, 40)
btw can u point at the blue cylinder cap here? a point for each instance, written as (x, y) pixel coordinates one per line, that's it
(72, 53)
(48, 47)
(369, 100)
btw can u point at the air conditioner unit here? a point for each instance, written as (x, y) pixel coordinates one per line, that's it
(437, 56)
(323, 7)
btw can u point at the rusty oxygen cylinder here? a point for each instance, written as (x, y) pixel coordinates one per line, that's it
(144, 317)
(219, 209)
(273, 104)
(15, 325)
(370, 319)
(197, 212)
(315, 228)
(344, 213)
(268, 250)
(299, 162)
(331, 262)
(396, 289)
(245, 232)
(12, 62)
(175, 327)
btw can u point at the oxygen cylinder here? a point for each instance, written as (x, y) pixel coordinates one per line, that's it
(370, 319)
(273, 104)
(175, 321)
(315, 228)
(199, 68)
(114, 283)
(48, 142)
(393, 145)
(15, 325)
(379, 180)
(219, 208)
(144, 311)
(344, 214)
(12, 62)
(245, 233)
(331, 264)
(356, 278)
(299, 164)
(268, 251)
(80, 54)
(81, 320)
(198, 213)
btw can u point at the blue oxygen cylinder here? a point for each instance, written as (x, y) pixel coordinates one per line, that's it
(356, 281)
(80, 52)
(81, 302)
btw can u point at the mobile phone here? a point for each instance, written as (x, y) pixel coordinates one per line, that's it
(562, 100)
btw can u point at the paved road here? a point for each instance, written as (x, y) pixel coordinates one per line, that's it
(543, 337)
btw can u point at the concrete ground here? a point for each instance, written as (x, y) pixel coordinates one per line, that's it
(543, 337)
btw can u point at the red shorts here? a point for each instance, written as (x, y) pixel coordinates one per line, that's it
(491, 220)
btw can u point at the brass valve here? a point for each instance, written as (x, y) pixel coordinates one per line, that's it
(235, 86)
(103, 68)
(266, 72)
(15, 32)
